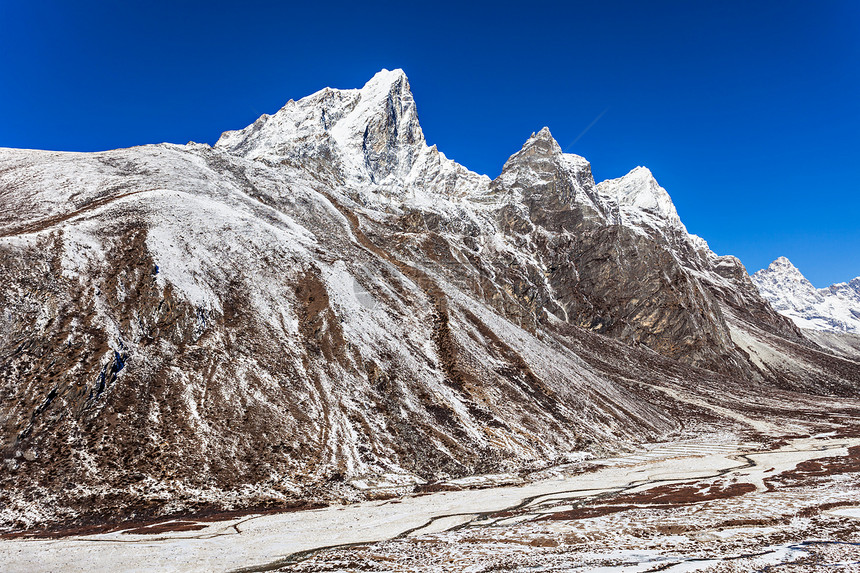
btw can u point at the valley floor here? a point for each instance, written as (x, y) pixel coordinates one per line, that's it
(685, 506)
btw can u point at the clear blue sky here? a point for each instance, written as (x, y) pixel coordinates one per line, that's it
(747, 112)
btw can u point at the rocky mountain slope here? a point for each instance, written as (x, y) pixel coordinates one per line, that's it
(322, 307)
(835, 308)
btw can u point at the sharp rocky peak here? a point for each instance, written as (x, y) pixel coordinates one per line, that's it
(372, 136)
(545, 139)
(543, 145)
(364, 135)
(542, 155)
(362, 138)
(835, 308)
(385, 103)
(784, 268)
(546, 178)
(637, 199)
(387, 82)
(782, 263)
(782, 277)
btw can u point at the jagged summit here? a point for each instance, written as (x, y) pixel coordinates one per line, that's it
(542, 144)
(784, 271)
(635, 200)
(368, 136)
(835, 308)
(541, 175)
(781, 262)
(386, 77)
(545, 145)
(382, 113)
(640, 201)
(544, 135)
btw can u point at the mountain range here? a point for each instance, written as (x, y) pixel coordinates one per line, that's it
(835, 308)
(322, 307)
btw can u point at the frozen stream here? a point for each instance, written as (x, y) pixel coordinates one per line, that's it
(261, 543)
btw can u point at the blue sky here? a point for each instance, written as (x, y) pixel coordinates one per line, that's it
(748, 113)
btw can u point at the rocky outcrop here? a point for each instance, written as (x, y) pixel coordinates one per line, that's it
(607, 254)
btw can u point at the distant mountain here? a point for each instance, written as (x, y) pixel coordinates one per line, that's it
(323, 307)
(835, 308)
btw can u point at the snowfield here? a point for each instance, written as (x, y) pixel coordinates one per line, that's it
(498, 516)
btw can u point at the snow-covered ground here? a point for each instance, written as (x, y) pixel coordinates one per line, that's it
(271, 541)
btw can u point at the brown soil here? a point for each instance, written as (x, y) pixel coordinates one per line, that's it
(57, 219)
(665, 496)
(166, 527)
(434, 487)
(811, 471)
(180, 522)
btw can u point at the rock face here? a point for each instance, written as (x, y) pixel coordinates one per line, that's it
(610, 253)
(359, 138)
(323, 307)
(835, 308)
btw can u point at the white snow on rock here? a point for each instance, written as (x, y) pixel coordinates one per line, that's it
(637, 200)
(368, 137)
(372, 143)
(835, 308)
(540, 170)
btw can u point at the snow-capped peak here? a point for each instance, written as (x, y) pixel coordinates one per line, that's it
(385, 80)
(782, 264)
(541, 143)
(635, 200)
(363, 137)
(385, 105)
(544, 135)
(786, 271)
(544, 143)
(835, 308)
(638, 200)
(546, 176)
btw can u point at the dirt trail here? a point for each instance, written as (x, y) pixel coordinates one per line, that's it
(42, 224)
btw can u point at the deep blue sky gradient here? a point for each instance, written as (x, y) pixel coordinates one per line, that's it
(748, 113)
